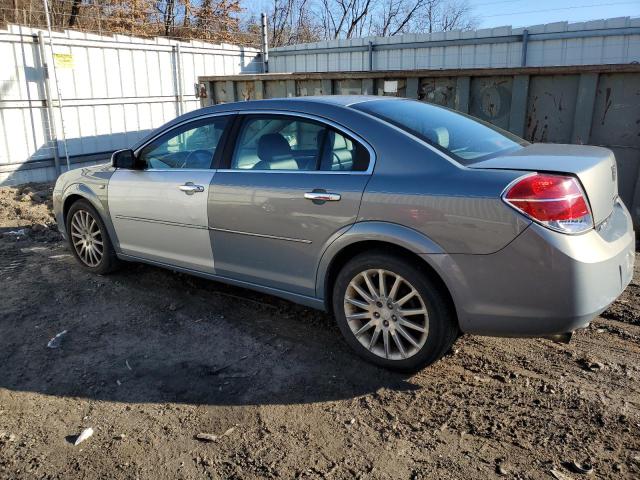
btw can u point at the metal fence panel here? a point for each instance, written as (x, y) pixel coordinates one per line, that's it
(616, 124)
(551, 108)
(491, 99)
(438, 90)
(614, 40)
(114, 89)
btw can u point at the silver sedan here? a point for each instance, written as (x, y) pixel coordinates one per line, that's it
(409, 222)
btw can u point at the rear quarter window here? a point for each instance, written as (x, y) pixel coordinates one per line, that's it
(465, 139)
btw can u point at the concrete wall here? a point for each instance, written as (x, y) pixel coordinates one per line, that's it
(614, 40)
(114, 90)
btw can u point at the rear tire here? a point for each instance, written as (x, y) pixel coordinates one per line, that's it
(89, 240)
(415, 315)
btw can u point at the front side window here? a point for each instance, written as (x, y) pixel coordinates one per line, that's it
(190, 146)
(465, 139)
(291, 143)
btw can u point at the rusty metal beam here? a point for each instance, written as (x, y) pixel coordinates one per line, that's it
(474, 72)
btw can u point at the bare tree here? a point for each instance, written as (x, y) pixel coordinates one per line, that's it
(290, 21)
(344, 18)
(397, 16)
(446, 15)
(167, 8)
(75, 11)
(216, 20)
(350, 18)
(187, 13)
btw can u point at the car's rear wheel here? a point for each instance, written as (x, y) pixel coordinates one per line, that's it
(391, 313)
(89, 240)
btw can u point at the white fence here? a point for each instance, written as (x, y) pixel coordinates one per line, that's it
(114, 89)
(610, 41)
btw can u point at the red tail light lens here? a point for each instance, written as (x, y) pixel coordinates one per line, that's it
(556, 201)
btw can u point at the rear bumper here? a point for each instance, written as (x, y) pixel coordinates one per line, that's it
(543, 282)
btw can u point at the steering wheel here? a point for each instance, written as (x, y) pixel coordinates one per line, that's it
(204, 154)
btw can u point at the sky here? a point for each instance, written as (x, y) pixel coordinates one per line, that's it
(521, 13)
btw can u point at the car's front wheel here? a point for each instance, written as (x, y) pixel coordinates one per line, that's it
(89, 240)
(391, 313)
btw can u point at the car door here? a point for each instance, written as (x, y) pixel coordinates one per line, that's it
(292, 184)
(159, 211)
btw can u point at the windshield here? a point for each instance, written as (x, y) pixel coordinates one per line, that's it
(464, 138)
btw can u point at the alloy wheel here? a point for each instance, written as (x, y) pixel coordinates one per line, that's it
(386, 314)
(86, 238)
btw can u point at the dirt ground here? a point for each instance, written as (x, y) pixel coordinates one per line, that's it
(153, 358)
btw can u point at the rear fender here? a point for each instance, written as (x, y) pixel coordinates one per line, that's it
(387, 232)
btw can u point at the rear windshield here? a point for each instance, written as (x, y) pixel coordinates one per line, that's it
(464, 138)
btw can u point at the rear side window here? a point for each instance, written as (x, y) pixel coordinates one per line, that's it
(340, 153)
(277, 143)
(291, 143)
(465, 139)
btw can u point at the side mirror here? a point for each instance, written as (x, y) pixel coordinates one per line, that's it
(124, 159)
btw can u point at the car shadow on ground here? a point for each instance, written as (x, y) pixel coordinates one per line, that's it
(146, 335)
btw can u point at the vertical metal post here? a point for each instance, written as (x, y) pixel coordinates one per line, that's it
(265, 43)
(178, 76)
(518, 111)
(47, 94)
(585, 104)
(370, 56)
(412, 87)
(525, 43)
(55, 80)
(463, 93)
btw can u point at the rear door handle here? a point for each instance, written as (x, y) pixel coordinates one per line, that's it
(322, 196)
(189, 188)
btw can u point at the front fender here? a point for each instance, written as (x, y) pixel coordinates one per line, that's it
(388, 232)
(96, 194)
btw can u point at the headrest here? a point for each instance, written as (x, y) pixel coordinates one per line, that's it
(272, 146)
(439, 136)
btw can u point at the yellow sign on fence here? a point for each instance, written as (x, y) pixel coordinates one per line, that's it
(63, 60)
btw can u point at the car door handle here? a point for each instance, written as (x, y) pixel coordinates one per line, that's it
(322, 196)
(189, 188)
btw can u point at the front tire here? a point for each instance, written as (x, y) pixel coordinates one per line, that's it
(89, 240)
(391, 313)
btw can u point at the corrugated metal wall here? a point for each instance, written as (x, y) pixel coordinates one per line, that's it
(561, 43)
(597, 105)
(114, 90)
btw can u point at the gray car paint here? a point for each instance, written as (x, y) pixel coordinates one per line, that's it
(506, 275)
(594, 166)
(89, 183)
(266, 231)
(157, 221)
(543, 282)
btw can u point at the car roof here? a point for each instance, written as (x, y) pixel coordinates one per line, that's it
(338, 100)
(345, 100)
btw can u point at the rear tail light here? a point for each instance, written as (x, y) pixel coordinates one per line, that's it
(555, 201)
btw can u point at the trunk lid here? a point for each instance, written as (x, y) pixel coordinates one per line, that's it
(595, 167)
